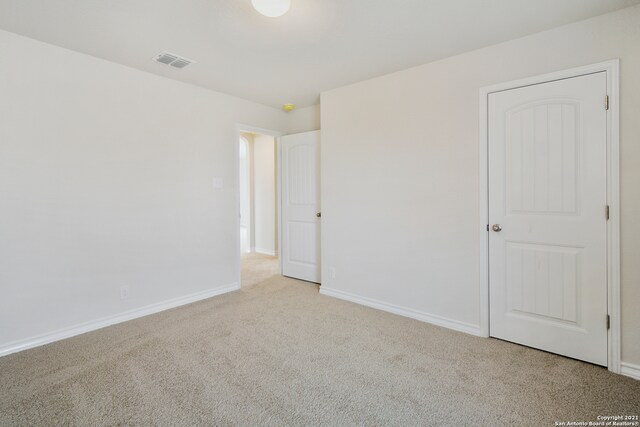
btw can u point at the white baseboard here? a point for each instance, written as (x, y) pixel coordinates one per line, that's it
(406, 312)
(266, 251)
(93, 325)
(630, 370)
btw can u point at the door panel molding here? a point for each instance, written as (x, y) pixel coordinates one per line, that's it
(611, 68)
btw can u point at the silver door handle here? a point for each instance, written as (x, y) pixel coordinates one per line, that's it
(497, 228)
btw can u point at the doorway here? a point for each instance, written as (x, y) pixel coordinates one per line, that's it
(258, 223)
(550, 179)
(279, 205)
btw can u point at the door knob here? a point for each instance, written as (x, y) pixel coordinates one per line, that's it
(497, 228)
(319, 214)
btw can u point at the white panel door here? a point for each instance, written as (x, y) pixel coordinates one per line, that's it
(301, 206)
(547, 213)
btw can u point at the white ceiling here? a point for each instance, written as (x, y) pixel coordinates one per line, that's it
(318, 45)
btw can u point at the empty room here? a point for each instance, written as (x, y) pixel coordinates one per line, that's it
(319, 212)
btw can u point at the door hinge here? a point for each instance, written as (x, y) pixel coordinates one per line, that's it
(606, 212)
(606, 102)
(608, 322)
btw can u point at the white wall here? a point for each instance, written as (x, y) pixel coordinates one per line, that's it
(400, 172)
(304, 119)
(264, 185)
(106, 180)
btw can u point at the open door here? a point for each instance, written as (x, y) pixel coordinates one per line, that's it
(300, 154)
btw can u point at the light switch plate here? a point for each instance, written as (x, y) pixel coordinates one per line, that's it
(218, 183)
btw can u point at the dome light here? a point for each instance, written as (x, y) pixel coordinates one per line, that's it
(272, 8)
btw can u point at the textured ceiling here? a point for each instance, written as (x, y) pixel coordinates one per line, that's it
(318, 45)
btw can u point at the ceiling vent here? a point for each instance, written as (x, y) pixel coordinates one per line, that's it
(172, 60)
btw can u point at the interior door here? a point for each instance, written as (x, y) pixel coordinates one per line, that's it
(300, 154)
(547, 213)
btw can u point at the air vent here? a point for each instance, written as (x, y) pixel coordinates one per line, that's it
(172, 60)
(180, 63)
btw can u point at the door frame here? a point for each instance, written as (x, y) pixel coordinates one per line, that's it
(612, 70)
(276, 135)
(249, 177)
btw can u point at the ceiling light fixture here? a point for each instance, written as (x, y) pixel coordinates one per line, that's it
(272, 8)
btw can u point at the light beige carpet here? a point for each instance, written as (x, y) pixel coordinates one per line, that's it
(278, 353)
(256, 268)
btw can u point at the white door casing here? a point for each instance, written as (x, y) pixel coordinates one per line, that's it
(547, 163)
(245, 199)
(300, 199)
